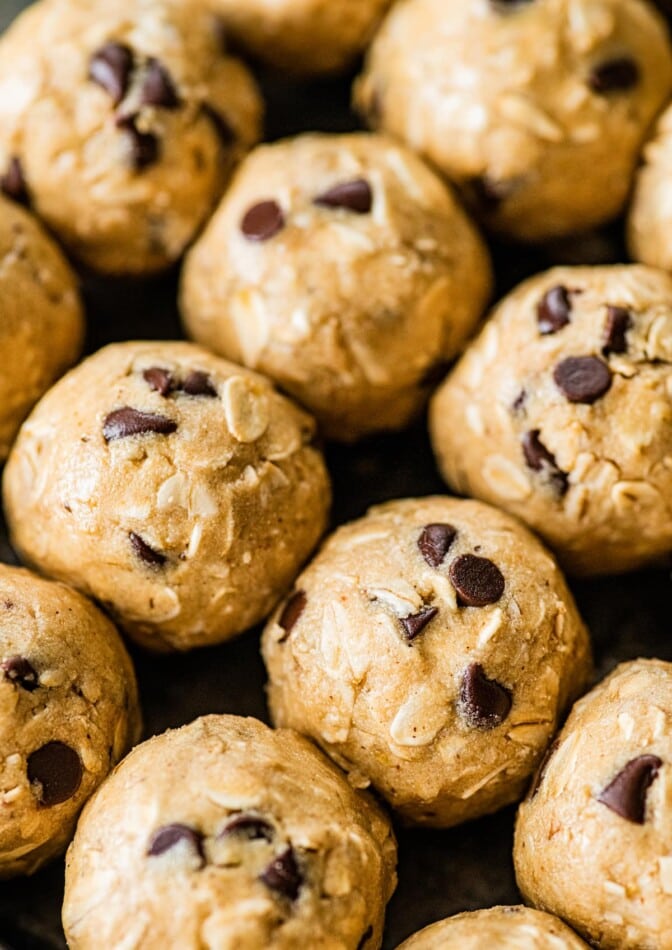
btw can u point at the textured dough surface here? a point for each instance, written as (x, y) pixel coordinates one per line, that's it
(351, 313)
(250, 796)
(387, 704)
(78, 690)
(650, 217)
(538, 110)
(187, 536)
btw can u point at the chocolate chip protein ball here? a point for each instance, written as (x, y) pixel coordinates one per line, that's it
(561, 413)
(537, 109)
(344, 269)
(42, 324)
(226, 834)
(651, 211)
(68, 713)
(594, 837)
(511, 928)
(429, 648)
(121, 123)
(178, 489)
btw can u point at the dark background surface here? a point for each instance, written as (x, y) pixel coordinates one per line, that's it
(440, 872)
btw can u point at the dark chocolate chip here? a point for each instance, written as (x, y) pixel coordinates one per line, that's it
(111, 68)
(160, 380)
(484, 703)
(435, 541)
(158, 88)
(198, 383)
(554, 310)
(145, 552)
(582, 379)
(477, 580)
(263, 221)
(283, 875)
(223, 128)
(619, 321)
(626, 793)
(55, 771)
(13, 183)
(614, 75)
(352, 195)
(414, 624)
(366, 936)
(291, 613)
(248, 826)
(167, 837)
(18, 670)
(539, 459)
(145, 148)
(540, 774)
(126, 422)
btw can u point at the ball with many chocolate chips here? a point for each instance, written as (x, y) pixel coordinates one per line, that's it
(430, 649)
(227, 834)
(121, 123)
(560, 413)
(68, 713)
(537, 109)
(179, 490)
(343, 268)
(594, 837)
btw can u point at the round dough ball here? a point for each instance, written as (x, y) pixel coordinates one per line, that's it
(651, 211)
(42, 324)
(344, 269)
(121, 122)
(561, 413)
(508, 928)
(304, 37)
(68, 713)
(181, 491)
(429, 648)
(227, 834)
(537, 109)
(594, 837)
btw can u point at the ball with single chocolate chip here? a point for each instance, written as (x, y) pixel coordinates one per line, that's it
(537, 110)
(594, 837)
(177, 489)
(120, 124)
(225, 833)
(430, 649)
(68, 713)
(42, 323)
(343, 268)
(561, 413)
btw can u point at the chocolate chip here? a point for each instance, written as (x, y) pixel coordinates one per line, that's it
(160, 380)
(484, 703)
(291, 613)
(626, 793)
(123, 423)
(55, 772)
(614, 75)
(477, 580)
(283, 875)
(111, 68)
(582, 379)
(554, 310)
(157, 87)
(18, 670)
(13, 183)
(414, 624)
(198, 383)
(145, 148)
(145, 552)
(435, 542)
(352, 195)
(167, 837)
(619, 321)
(539, 459)
(225, 132)
(543, 767)
(248, 826)
(263, 221)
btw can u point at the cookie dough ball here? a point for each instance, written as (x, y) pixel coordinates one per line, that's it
(42, 325)
(561, 413)
(429, 648)
(594, 837)
(121, 122)
(537, 109)
(181, 491)
(227, 834)
(344, 269)
(511, 928)
(68, 713)
(651, 212)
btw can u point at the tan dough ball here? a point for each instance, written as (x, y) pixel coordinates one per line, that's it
(304, 37)
(538, 110)
(430, 649)
(225, 834)
(651, 211)
(344, 269)
(42, 323)
(121, 122)
(508, 928)
(561, 413)
(594, 837)
(68, 713)
(178, 489)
